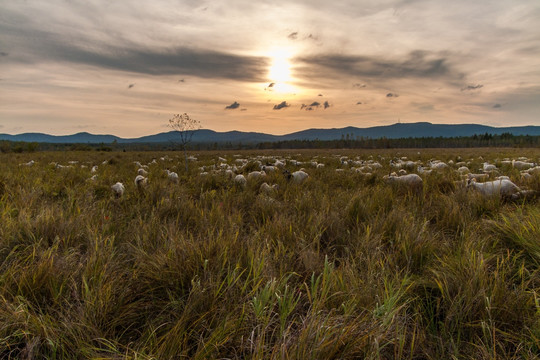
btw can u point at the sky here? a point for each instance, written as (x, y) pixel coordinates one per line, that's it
(126, 67)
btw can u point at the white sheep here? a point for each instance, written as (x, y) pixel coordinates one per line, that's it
(411, 181)
(173, 177)
(118, 189)
(254, 175)
(268, 168)
(296, 177)
(268, 189)
(142, 172)
(30, 163)
(463, 170)
(240, 180)
(502, 187)
(487, 167)
(94, 169)
(477, 176)
(140, 181)
(522, 165)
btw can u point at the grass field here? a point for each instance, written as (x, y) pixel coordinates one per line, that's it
(343, 266)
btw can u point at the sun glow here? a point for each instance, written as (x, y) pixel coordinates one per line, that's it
(279, 72)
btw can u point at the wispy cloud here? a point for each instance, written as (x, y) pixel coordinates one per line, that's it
(418, 64)
(472, 87)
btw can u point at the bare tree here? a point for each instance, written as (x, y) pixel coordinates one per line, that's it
(186, 126)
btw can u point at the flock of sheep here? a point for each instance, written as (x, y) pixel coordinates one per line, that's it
(405, 173)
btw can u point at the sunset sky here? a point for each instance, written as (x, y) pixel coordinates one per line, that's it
(125, 67)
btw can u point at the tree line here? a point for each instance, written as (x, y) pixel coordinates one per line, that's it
(346, 142)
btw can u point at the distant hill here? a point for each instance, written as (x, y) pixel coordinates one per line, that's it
(420, 129)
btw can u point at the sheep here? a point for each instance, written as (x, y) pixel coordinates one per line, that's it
(534, 170)
(229, 173)
(297, 177)
(30, 163)
(254, 175)
(240, 180)
(411, 181)
(94, 169)
(93, 178)
(487, 167)
(173, 177)
(421, 170)
(142, 172)
(522, 165)
(265, 188)
(402, 172)
(118, 189)
(477, 176)
(268, 168)
(504, 187)
(140, 181)
(438, 165)
(463, 170)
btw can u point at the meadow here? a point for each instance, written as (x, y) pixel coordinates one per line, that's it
(341, 266)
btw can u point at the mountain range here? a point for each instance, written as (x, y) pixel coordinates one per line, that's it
(398, 130)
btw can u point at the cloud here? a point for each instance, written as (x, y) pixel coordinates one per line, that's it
(39, 47)
(497, 106)
(472, 87)
(3, 53)
(130, 86)
(281, 105)
(234, 105)
(315, 105)
(358, 85)
(293, 35)
(389, 95)
(418, 64)
(358, 103)
(270, 86)
(319, 95)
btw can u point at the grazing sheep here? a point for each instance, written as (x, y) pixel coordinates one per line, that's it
(487, 167)
(522, 165)
(268, 168)
(93, 178)
(140, 181)
(503, 187)
(173, 177)
(411, 181)
(118, 189)
(438, 165)
(296, 177)
(254, 175)
(240, 180)
(30, 163)
(477, 176)
(402, 172)
(463, 170)
(229, 173)
(421, 170)
(268, 189)
(142, 172)
(94, 169)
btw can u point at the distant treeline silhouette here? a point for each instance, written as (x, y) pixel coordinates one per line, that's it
(347, 141)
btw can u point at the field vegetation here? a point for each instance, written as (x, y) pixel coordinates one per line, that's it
(342, 266)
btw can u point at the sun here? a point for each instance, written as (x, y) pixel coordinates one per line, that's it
(279, 72)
